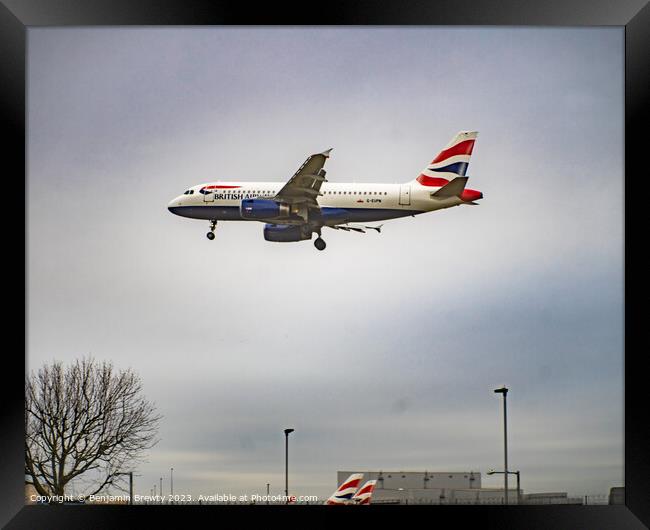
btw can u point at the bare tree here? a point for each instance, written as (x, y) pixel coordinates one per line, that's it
(84, 420)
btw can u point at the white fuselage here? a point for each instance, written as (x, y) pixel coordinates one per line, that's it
(357, 202)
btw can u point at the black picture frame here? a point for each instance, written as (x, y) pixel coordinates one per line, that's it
(17, 15)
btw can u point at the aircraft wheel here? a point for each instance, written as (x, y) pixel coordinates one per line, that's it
(210, 235)
(320, 244)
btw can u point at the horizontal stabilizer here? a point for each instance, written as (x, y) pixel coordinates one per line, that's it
(452, 189)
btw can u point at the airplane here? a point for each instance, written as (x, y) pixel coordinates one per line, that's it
(308, 202)
(364, 494)
(345, 492)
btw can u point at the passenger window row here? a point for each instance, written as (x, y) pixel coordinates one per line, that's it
(356, 193)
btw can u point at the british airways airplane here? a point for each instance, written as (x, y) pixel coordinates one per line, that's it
(295, 210)
(345, 494)
(346, 491)
(364, 494)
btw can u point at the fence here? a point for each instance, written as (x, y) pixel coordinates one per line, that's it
(585, 500)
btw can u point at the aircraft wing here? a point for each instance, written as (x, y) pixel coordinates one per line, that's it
(305, 184)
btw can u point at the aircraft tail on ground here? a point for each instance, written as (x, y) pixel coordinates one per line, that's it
(344, 493)
(365, 493)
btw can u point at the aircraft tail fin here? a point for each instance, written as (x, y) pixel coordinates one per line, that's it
(451, 162)
(346, 490)
(365, 492)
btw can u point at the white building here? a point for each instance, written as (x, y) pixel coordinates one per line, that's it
(431, 487)
(395, 480)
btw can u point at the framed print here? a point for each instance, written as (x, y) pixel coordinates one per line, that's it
(274, 264)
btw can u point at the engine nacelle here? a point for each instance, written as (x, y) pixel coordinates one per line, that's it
(262, 209)
(285, 233)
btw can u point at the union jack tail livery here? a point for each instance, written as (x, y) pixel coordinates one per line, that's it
(451, 162)
(365, 493)
(344, 494)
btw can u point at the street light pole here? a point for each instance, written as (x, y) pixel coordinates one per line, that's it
(518, 489)
(504, 391)
(286, 462)
(130, 474)
(172, 482)
(492, 472)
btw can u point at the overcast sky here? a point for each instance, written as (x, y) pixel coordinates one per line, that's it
(382, 351)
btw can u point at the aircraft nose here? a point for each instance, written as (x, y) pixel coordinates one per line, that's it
(174, 205)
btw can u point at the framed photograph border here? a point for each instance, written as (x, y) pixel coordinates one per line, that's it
(16, 16)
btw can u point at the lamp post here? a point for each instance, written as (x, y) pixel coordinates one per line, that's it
(172, 482)
(267, 492)
(504, 391)
(286, 462)
(492, 472)
(130, 474)
(518, 488)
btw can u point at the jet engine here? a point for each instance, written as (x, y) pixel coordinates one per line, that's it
(285, 233)
(259, 209)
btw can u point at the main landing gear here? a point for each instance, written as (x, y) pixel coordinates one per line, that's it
(320, 243)
(210, 234)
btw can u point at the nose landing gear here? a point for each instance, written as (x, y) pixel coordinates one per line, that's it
(210, 234)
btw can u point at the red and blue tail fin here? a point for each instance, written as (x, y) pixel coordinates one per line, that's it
(344, 493)
(451, 162)
(365, 493)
